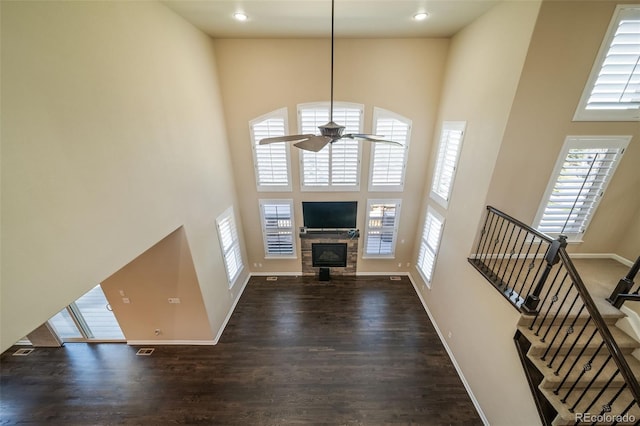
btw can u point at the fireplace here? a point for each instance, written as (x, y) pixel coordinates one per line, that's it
(335, 241)
(329, 255)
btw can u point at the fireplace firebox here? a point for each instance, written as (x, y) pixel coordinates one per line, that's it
(329, 255)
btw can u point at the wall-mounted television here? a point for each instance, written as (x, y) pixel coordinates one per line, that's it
(330, 214)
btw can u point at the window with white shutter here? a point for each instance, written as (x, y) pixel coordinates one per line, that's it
(447, 161)
(271, 162)
(381, 228)
(230, 245)
(337, 166)
(612, 92)
(388, 161)
(278, 228)
(581, 175)
(429, 244)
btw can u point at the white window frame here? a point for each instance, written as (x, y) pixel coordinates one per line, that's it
(277, 149)
(369, 231)
(230, 244)
(617, 110)
(448, 155)
(428, 245)
(290, 230)
(581, 142)
(382, 149)
(330, 187)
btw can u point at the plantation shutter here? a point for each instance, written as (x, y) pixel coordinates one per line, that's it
(315, 165)
(277, 227)
(447, 160)
(382, 227)
(230, 244)
(271, 161)
(612, 92)
(618, 83)
(345, 153)
(389, 160)
(337, 164)
(579, 184)
(429, 244)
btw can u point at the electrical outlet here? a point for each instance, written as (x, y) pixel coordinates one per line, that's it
(449, 335)
(399, 265)
(126, 300)
(174, 300)
(122, 293)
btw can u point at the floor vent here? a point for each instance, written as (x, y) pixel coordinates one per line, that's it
(395, 278)
(22, 352)
(272, 278)
(145, 351)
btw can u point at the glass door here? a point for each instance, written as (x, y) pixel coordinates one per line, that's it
(88, 319)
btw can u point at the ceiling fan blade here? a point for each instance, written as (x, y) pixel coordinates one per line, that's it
(314, 143)
(287, 138)
(372, 138)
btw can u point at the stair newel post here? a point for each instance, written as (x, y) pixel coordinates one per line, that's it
(530, 304)
(624, 285)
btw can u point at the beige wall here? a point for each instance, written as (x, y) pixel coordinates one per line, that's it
(112, 137)
(260, 76)
(482, 74)
(164, 271)
(629, 245)
(566, 41)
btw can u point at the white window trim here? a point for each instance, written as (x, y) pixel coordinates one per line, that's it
(229, 213)
(279, 113)
(439, 217)
(447, 126)
(396, 225)
(330, 187)
(584, 142)
(582, 114)
(267, 255)
(383, 113)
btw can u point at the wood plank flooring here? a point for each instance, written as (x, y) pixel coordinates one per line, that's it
(351, 351)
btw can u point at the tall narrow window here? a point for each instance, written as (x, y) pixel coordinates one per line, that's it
(230, 245)
(271, 162)
(277, 228)
(447, 161)
(612, 92)
(389, 161)
(337, 166)
(581, 175)
(429, 244)
(381, 228)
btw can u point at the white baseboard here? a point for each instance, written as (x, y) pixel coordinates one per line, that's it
(613, 256)
(233, 307)
(381, 274)
(275, 274)
(451, 356)
(170, 342)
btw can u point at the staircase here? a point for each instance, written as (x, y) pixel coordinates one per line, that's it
(578, 363)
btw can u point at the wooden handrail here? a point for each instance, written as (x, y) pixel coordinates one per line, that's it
(523, 225)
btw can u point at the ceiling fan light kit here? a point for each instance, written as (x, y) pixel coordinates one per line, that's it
(330, 132)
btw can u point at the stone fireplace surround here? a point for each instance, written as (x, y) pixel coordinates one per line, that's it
(349, 237)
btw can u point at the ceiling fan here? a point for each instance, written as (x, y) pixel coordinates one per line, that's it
(330, 132)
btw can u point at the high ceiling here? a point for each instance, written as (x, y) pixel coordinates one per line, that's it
(312, 18)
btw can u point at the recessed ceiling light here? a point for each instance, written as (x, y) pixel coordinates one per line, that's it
(240, 16)
(420, 16)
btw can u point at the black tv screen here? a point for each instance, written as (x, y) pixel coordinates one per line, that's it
(330, 214)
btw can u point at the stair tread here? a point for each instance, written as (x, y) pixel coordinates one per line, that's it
(624, 341)
(551, 380)
(565, 416)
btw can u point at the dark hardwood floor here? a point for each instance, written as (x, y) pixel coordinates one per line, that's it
(296, 351)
